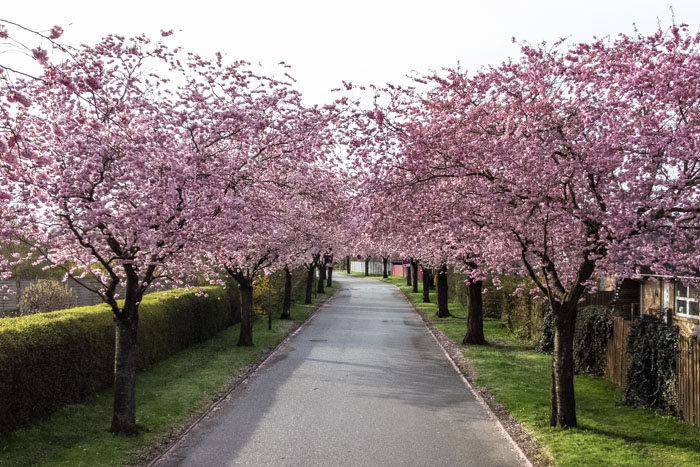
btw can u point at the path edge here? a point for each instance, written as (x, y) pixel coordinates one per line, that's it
(243, 379)
(522, 458)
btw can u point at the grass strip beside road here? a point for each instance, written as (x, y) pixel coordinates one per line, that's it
(518, 377)
(169, 396)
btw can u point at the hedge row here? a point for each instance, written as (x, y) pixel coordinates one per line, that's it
(52, 359)
(522, 314)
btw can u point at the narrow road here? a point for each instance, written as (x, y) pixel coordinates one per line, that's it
(363, 384)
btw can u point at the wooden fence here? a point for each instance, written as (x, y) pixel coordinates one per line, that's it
(688, 366)
(616, 352)
(689, 379)
(600, 298)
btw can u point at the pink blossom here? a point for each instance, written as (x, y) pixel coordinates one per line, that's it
(40, 55)
(93, 83)
(21, 98)
(56, 32)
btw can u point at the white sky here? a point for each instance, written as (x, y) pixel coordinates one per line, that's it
(362, 41)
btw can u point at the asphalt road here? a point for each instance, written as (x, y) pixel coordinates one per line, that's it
(363, 384)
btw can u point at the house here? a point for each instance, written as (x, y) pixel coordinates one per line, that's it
(669, 297)
(662, 295)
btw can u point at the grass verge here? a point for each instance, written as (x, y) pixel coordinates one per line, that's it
(170, 396)
(517, 377)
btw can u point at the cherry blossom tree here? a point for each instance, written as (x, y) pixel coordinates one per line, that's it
(113, 185)
(575, 161)
(18, 42)
(268, 152)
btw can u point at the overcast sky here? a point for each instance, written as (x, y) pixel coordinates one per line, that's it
(363, 41)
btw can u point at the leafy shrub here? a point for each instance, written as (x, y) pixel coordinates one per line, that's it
(493, 299)
(50, 359)
(458, 290)
(594, 326)
(261, 292)
(45, 296)
(652, 350)
(521, 313)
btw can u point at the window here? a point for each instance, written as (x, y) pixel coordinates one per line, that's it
(687, 300)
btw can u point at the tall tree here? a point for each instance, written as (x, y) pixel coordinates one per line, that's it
(115, 182)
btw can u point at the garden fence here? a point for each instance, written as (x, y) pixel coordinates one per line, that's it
(689, 379)
(375, 267)
(688, 365)
(616, 352)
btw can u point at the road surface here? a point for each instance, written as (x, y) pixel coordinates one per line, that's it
(363, 384)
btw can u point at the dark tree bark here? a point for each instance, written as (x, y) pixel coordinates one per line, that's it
(329, 276)
(124, 408)
(414, 271)
(427, 279)
(563, 402)
(287, 300)
(125, 355)
(321, 278)
(347, 264)
(475, 320)
(442, 292)
(409, 273)
(245, 285)
(385, 264)
(367, 266)
(310, 271)
(564, 305)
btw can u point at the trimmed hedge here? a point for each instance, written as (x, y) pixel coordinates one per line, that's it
(51, 359)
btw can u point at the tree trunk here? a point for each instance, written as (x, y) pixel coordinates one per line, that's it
(427, 279)
(562, 402)
(367, 267)
(442, 291)
(414, 271)
(347, 265)
(475, 320)
(329, 276)
(409, 273)
(321, 278)
(385, 264)
(245, 338)
(287, 300)
(309, 284)
(124, 409)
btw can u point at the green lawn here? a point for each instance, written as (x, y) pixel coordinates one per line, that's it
(169, 395)
(609, 433)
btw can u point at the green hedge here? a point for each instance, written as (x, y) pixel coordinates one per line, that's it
(51, 359)
(521, 314)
